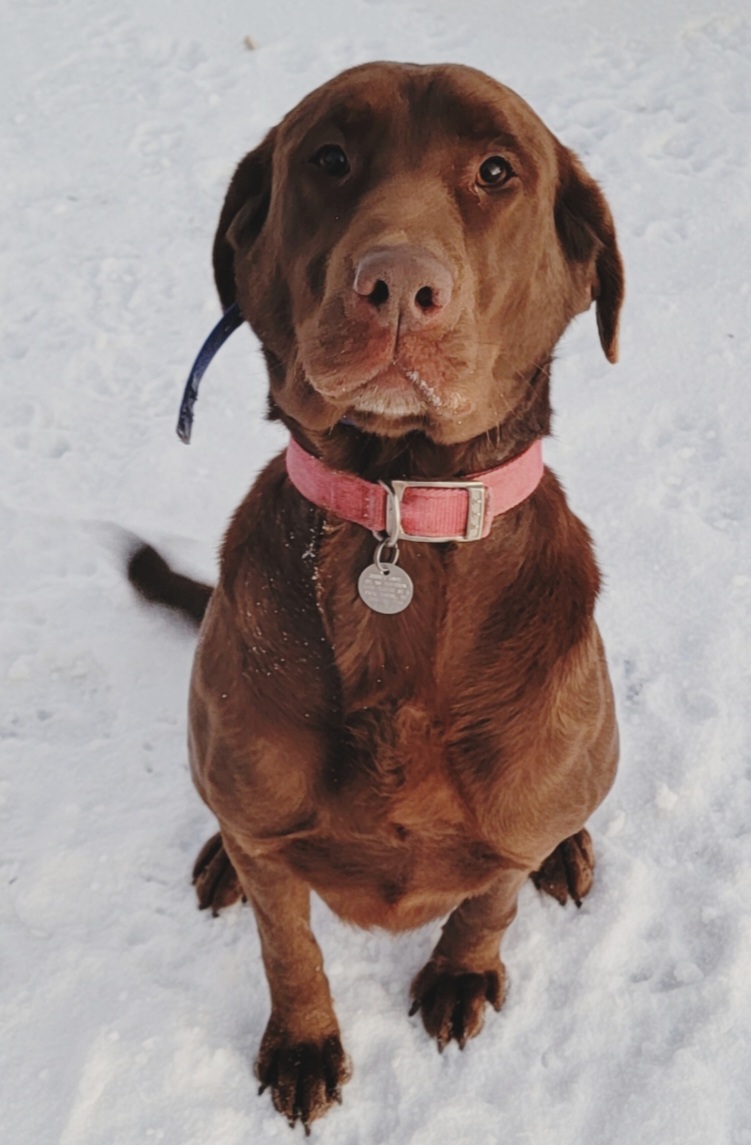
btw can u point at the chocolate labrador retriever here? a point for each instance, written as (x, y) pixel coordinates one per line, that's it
(410, 723)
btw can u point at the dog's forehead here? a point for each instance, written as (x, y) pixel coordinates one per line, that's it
(450, 98)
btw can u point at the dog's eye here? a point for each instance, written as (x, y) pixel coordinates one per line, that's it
(332, 160)
(495, 171)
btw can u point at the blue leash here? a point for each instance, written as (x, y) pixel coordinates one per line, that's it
(227, 324)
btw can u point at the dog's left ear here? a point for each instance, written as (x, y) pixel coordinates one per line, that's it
(587, 235)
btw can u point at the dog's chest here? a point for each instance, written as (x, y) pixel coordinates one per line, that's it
(402, 831)
(396, 840)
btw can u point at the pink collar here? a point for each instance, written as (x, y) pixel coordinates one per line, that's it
(418, 510)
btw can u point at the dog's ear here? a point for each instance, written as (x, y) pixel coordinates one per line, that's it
(587, 234)
(244, 212)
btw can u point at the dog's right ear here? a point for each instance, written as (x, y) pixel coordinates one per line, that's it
(243, 214)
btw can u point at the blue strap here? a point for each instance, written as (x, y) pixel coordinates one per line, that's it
(227, 324)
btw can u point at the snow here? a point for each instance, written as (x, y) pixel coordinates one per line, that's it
(127, 1015)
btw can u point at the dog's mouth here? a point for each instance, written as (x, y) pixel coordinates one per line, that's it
(401, 391)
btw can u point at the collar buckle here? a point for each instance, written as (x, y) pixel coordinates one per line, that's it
(477, 495)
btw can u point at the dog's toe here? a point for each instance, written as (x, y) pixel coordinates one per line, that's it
(452, 1002)
(214, 877)
(569, 870)
(305, 1078)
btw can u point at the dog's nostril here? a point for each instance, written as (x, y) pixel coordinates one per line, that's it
(424, 298)
(379, 294)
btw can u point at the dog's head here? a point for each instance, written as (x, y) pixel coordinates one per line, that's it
(409, 244)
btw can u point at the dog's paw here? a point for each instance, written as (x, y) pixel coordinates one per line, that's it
(452, 1002)
(214, 877)
(569, 871)
(305, 1078)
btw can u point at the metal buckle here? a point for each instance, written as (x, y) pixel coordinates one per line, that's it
(477, 494)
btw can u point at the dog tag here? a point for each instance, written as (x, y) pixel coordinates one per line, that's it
(385, 588)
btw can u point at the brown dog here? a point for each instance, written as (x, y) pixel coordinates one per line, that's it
(409, 244)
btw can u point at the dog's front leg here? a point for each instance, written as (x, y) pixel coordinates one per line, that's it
(465, 971)
(301, 1059)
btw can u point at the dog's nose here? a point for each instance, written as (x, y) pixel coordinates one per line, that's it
(404, 283)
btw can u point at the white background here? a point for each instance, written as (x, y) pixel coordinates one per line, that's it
(127, 1016)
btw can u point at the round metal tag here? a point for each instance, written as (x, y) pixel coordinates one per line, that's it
(387, 589)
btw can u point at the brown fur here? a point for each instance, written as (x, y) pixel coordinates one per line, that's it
(414, 765)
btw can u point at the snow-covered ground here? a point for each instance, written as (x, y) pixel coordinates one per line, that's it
(127, 1016)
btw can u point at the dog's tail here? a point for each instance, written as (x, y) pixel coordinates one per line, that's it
(156, 582)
